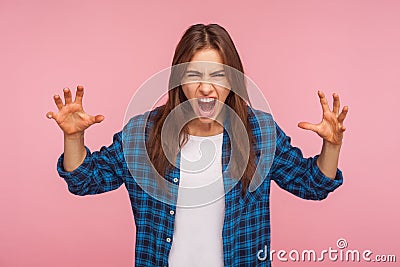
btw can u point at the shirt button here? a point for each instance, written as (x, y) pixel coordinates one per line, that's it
(175, 180)
(171, 212)
(168, 239)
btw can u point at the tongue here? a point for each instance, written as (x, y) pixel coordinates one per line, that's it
(207, 106)
(206, 109)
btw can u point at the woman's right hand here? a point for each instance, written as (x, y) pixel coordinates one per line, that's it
(71, 117)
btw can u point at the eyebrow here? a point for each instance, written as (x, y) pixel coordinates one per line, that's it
(217, 72)
(197, 72)
(193, 71)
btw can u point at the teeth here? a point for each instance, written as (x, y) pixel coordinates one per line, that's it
(206, 100)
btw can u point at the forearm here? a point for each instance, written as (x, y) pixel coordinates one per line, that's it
(74, 151)
(328, 160)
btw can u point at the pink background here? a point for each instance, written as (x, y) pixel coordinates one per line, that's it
(289, 48)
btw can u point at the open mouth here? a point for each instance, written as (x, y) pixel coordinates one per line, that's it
(206, 106)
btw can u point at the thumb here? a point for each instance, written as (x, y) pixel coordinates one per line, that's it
(98, 118)
(50, 115)
(308, 126)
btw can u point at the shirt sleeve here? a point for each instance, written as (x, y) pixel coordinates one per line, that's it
(100, 172)
(298, 175)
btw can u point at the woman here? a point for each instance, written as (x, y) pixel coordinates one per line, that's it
(219, 231)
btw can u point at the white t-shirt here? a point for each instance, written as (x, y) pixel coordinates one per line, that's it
(199, 215)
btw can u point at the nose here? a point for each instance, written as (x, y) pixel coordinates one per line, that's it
(206, 88)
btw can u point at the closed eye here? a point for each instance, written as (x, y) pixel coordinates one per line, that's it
(192, 73)
(218, 73)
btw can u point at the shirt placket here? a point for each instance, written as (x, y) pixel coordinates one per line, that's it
(172, 177)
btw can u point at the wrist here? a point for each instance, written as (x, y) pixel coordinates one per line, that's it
(73, 137)
(331, 146)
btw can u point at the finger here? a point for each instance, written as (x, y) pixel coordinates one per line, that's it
(98, 118)
(50, 115)
(79, 94)
(343, 114)
(308, 126)
(323, 101)
(336, 104)
(343, 128)
(67, 96)
(58, 101)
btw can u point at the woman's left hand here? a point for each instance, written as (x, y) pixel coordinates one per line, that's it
(331, 127)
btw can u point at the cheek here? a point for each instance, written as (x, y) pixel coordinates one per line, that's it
(184, 90)
(188, 91)
(223, 94)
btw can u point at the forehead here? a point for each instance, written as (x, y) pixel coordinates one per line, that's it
(206, 60)
(210, 55)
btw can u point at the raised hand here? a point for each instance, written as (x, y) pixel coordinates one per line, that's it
(331, 127)
(71, 117)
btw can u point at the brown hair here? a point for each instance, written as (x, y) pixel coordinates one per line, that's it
(196, 38)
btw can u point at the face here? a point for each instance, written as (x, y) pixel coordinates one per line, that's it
(205, 85)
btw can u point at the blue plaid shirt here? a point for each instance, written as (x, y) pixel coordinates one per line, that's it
(246, 228)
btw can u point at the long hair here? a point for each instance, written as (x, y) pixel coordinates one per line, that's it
(196, 38)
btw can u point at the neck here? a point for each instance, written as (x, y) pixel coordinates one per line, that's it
(199, 128)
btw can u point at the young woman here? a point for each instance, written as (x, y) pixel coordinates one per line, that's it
(231, 227)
